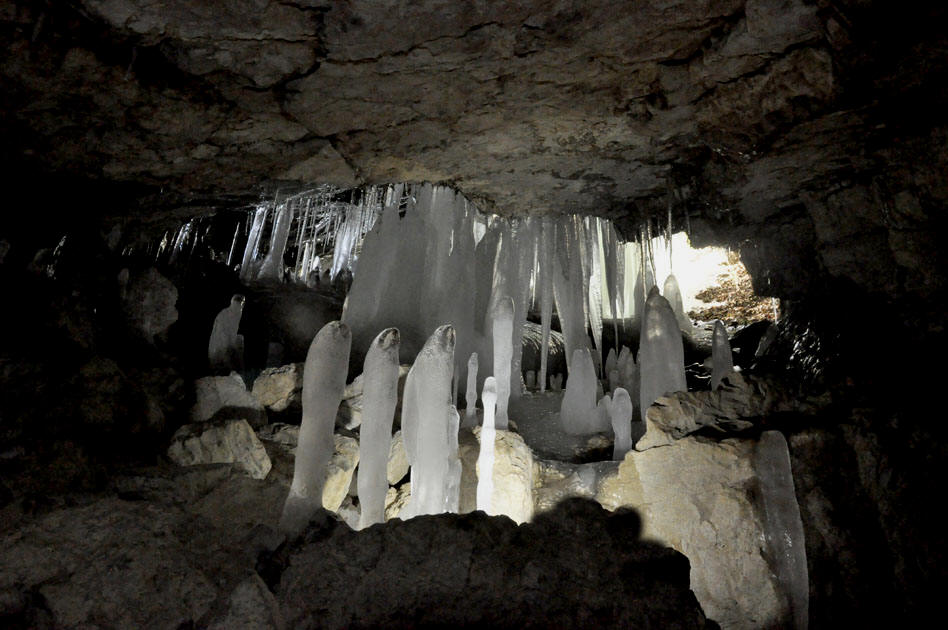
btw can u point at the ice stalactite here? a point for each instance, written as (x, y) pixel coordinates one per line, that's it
(568, 287)
(485, 457)
(783, 527)
(672, 292)
(661, 352)
(233, 246)
(722, 361)
(324, 379)
(272, 267)
(379, 398)
(470, 393)
(593, 273)
(225, 348)
(545, 282)
(425, 423)
(578, 411)
(502, 321)
(247, 265)
(621, 419)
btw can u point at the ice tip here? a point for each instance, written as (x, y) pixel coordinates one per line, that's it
(388, 338)
(336, 328)
(445, 334)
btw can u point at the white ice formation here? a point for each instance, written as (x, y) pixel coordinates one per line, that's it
(272, 267)
(225, 350)
(722, 361)
(324, 379)
(661, 352)
(502, 329)
(578, 412)
(621, 418)
(470, 393)
(379, 398)
(672, 293)
(485, 457)
(425, 423)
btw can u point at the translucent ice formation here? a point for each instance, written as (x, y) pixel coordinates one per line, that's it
(672, 293)
(722, 361)
(425, 422)
(452, 495)
(502, 329)
(578, 411)
(225, 347)
(324, 379)
(272, 266)
(621, 418)
(545, 282)
(661, 352)
(783, 527)
(247, 268)
(485, 457)
(379, 397)
(470, 394)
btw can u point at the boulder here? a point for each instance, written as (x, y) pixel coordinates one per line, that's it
(220, 442)
(223, 397)
(280, 388)
(556, 481)
(513, 474)
(396, 499)
(148, 303)
(397, 466)
(698, 497)
(574, 567)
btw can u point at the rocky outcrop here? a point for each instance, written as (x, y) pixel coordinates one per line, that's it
(222, 397)
(513, 475)
(220, 442)
(281, 388)
(574, 567)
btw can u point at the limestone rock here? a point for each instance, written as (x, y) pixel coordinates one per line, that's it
(251, 607)
(280, 388)
(513, 475)
(221, 397)
(220, 442)
(396, 499)
(556, 481)
(573, 567)
(398, 464)
(696, 496)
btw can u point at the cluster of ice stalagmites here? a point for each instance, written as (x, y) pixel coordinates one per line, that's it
(579, 414)
(324, 379)
(225, 348)
(661, 352)
(426, 424)
(379, 398)
(722, 361)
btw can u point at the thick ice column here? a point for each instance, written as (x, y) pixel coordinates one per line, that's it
(546, 296)
(224, 349)
(783, 527)
(452, 496)
(485, 457)
(661, 353)
(324, 379)
(578, 411)
(253, 244)
(502, 327)
(272, 267)
(621, 418)
(612, 365)
(470, 394)
(672, 293)
(425, 422)
(722, 361)
(379, 398)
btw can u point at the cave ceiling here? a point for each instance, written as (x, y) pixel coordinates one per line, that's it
(739, 108)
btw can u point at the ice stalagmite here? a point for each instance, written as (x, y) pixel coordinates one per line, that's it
(485, 457)
(470, 394)
(225, 347)
(661, 352)
(324, 379)
(783, 527)
(672, 293)
(379, 397)
(578, 412)
(452, 486)
(272, 267)
(612, 365)
(621, 417)
(722, 361)
(502, 328)
(425, 427)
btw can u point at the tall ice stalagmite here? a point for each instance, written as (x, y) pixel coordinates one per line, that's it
(578, 412)
(425, 425)
(470, 393)
(661, 352)
(502, 322)
(485, 457)
(324, 379)
(225, 348)
(380, 395)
